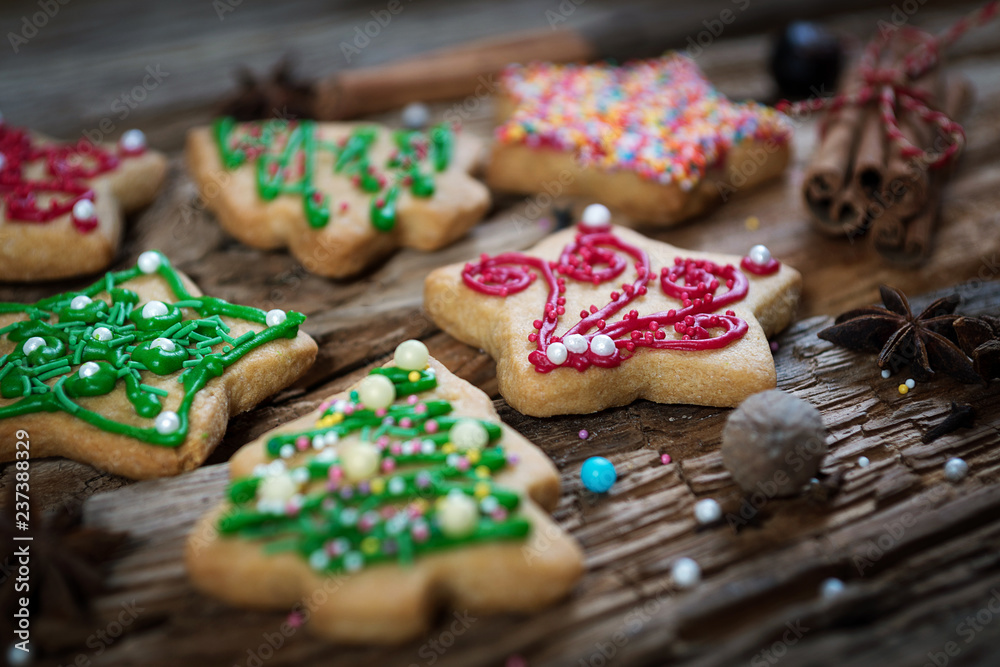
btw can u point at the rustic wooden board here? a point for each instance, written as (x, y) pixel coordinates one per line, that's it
(910, 602)
(908, 544)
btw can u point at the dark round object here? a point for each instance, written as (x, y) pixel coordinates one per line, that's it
(806, 61)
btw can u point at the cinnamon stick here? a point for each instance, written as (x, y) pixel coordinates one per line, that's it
(908, 240)
(829, 171)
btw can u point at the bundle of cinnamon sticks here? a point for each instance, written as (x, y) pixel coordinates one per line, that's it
(860, 182)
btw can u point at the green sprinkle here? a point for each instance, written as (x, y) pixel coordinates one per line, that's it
(154, 390)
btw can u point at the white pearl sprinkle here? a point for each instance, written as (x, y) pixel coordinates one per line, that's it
(84, 210)
(575, 343)
(15, 656)
(886, 374)
(556, 352)
(910, 384)
(149, 261)
(88, 369)
(80, 301)
(103, 333)
(602, 345)
(595, 216)
(863, 462)
(300, 475)
(318, 560)
(32, 344)
(154, 309)
(132, 141)
(831, 588)
(353, 561)
(286, 451)
(416, 116)
(685, 572)
(707, 511)
(164, 344)
(956, 469)
(260, 470)
(167, 422)
(275, 317)
(759, 255)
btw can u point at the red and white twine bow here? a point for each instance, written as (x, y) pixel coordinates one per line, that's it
(893, 89)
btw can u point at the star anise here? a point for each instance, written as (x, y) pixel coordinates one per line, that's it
(65, 569)
(924, 342)
(979, 337)
(279, 95)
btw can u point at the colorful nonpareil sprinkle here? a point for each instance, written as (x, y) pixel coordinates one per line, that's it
(659, 118)
(380, 484)
(598, 474)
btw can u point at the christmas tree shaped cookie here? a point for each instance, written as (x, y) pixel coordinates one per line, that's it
(651, 138)
(61, 204)
(401, 496)
(339, 196)
(599, 316)
(139, 373)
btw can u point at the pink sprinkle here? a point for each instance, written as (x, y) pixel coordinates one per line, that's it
(302, 443)
(584, 434)
(462, 464)
(665, 459)
(324, 406)
(295, 620)
(383, 441)
(381, 412)
(420, 409)
(411, 399)
(406, 422)
(335, 473)
(499, 514)
(349, 409)
(431, 426)
(396, 448)
(388, 465)
(774, 346)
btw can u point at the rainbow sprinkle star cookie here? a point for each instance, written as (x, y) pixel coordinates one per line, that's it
(398, 497)
(652, 138)
(139, 373)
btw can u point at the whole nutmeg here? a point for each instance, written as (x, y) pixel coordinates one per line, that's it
(773, 443)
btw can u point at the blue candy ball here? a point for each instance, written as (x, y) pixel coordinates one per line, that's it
(598, 474)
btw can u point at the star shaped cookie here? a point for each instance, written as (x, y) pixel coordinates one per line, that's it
(139, 373)
(62, 204)
(651, 138)
(598, 316)
(340, 196)
(400, 496)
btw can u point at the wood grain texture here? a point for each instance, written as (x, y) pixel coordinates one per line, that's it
(913, 599)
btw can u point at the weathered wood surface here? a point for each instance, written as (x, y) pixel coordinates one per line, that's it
(909, 602)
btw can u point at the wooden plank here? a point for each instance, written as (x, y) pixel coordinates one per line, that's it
(908, 543)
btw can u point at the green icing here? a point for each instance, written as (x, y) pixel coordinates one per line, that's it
(48, 378)
(392, 517)
(285, 156)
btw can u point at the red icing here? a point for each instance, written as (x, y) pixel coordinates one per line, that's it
(597, 256)
(771, 267)
(67, 167)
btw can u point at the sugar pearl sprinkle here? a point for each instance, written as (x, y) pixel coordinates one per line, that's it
(149, 261)
(863, 462)
(416, 116)
(102, 334)
(956, 469)
(556, 352)
(80, 302)
(659, 118)
(133, 141)
(89, 369)
(886, 374)
(32, 344)
(686, 573)
(154, 309)
(831, 588)
(707, 511)
(759, 255)
(84, 210)
(167, 422)
(595, 216)
(275, 317)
